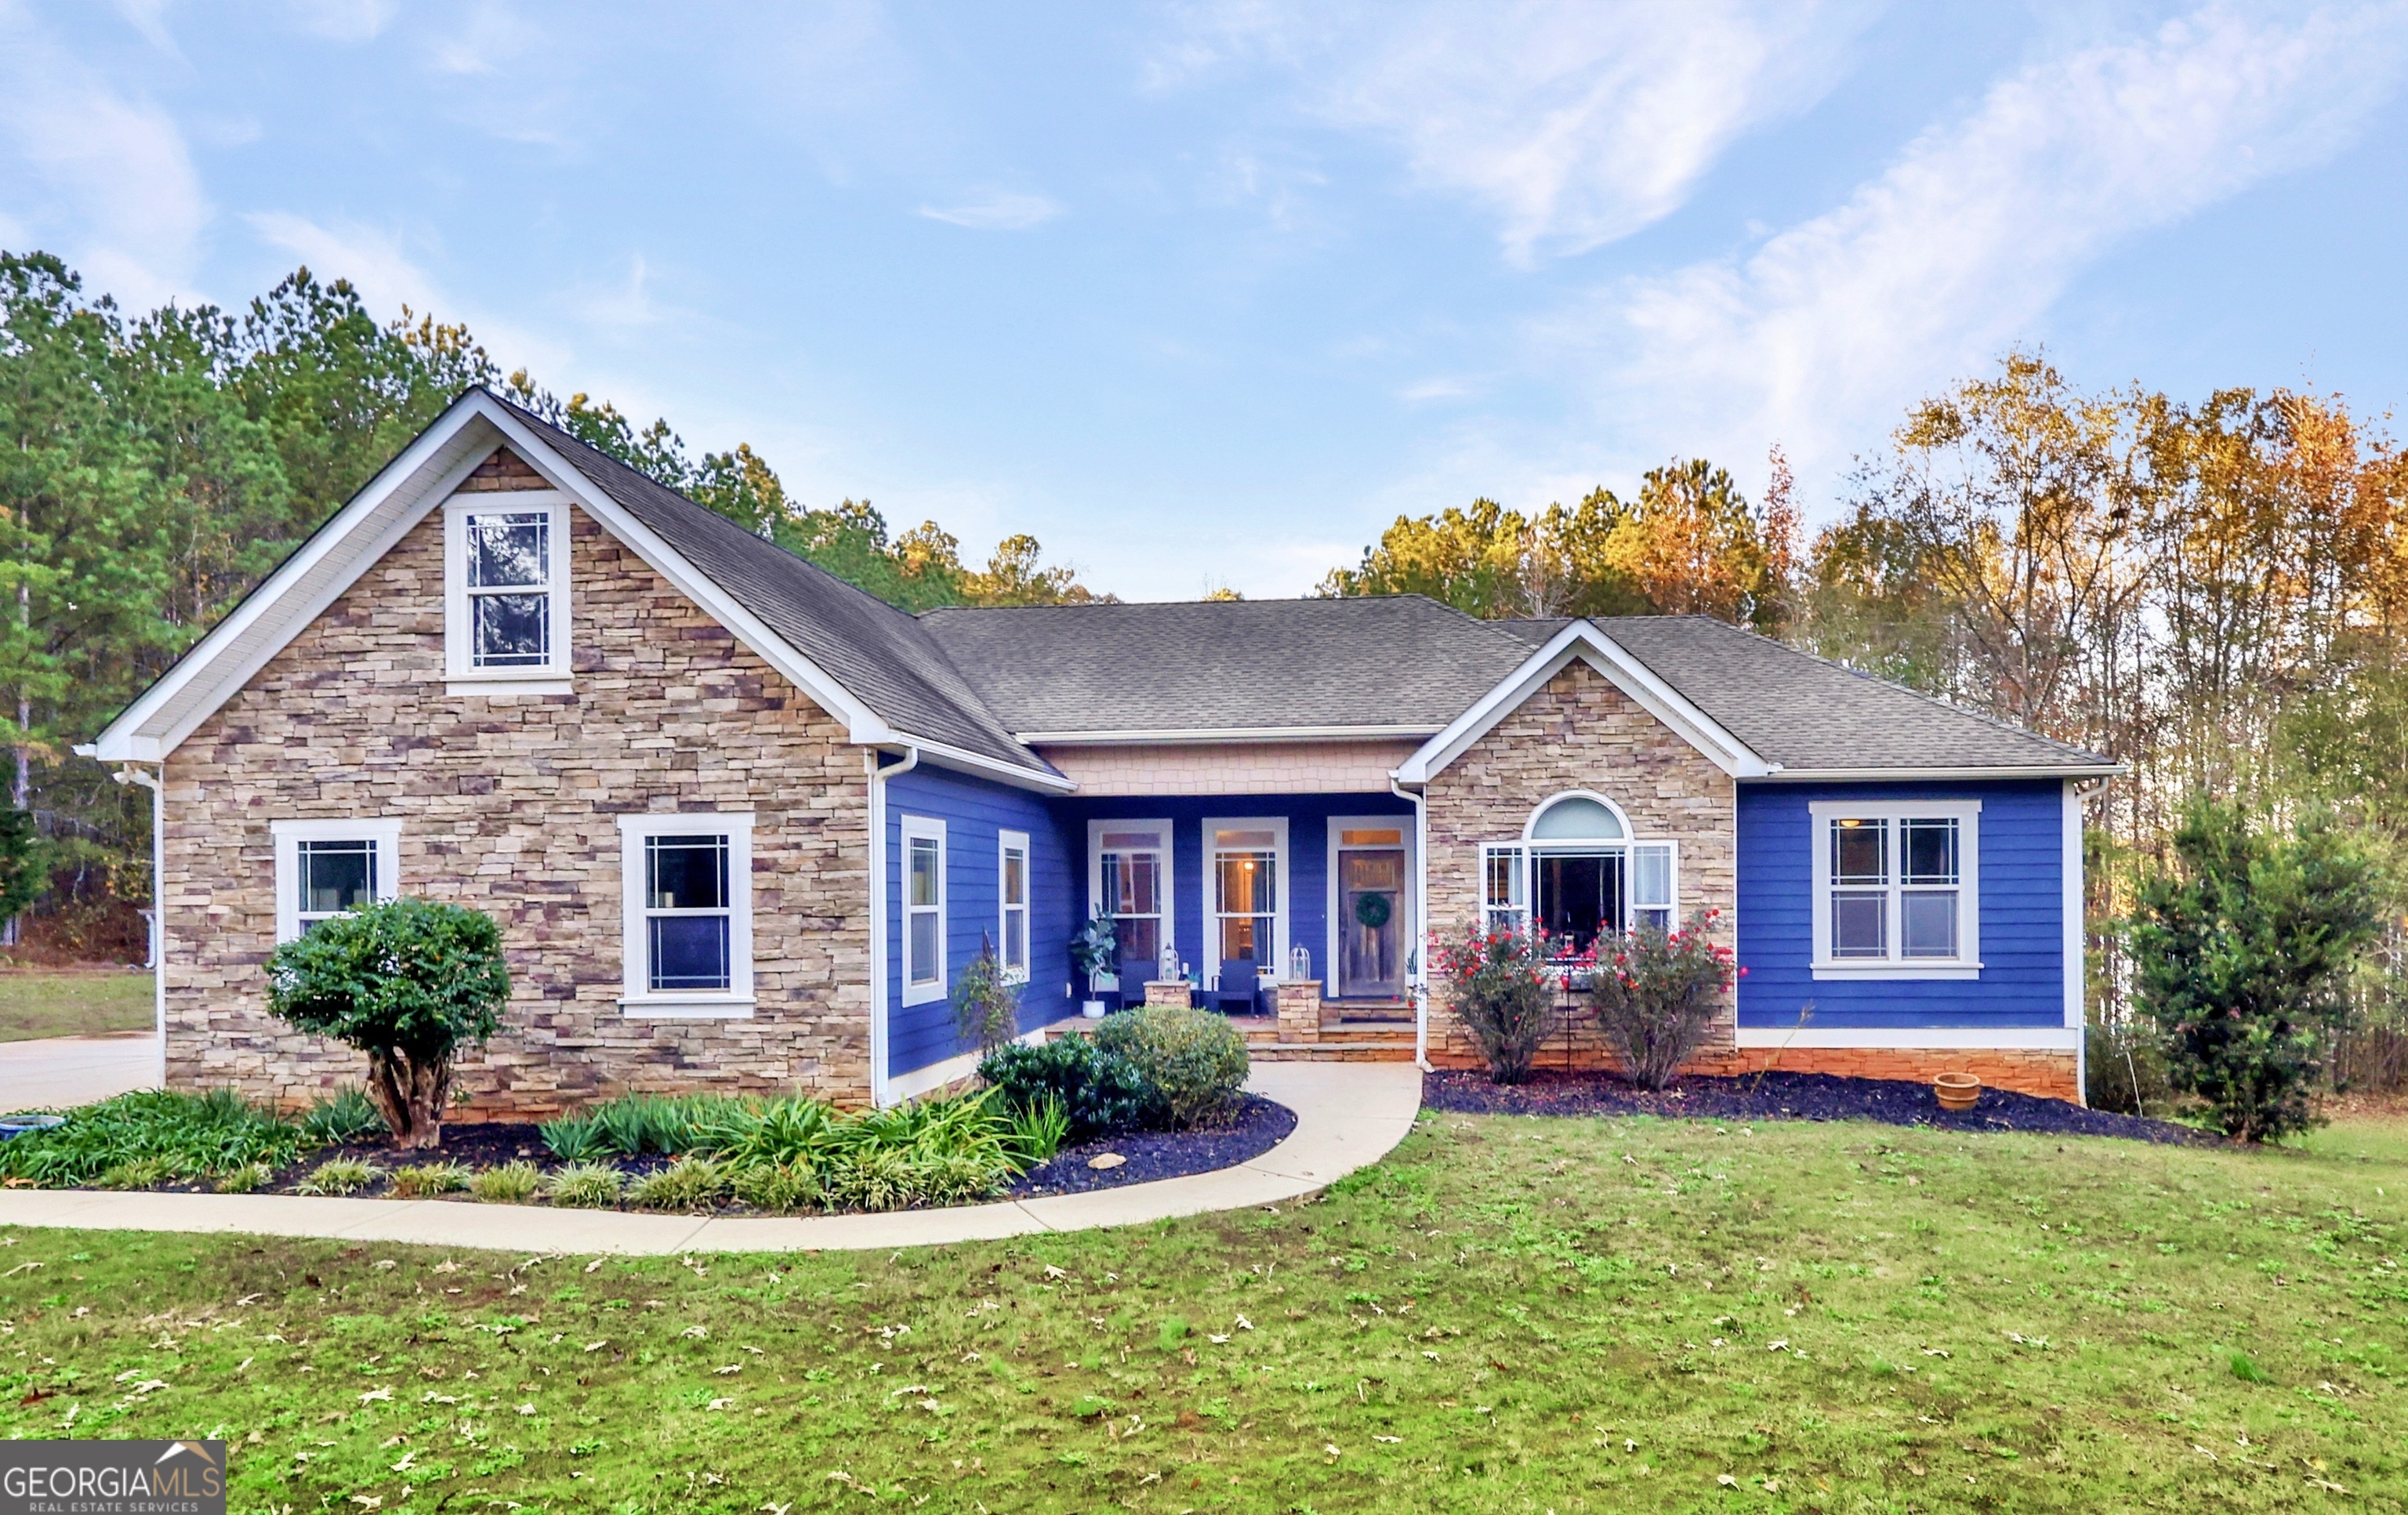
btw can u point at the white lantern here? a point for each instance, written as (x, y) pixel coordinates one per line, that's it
(1300, 965)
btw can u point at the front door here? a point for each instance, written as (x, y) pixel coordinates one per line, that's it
(1371, 923)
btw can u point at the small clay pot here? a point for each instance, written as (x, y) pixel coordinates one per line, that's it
(1957, 1091)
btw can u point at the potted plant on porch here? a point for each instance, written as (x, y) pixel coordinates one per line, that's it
(1096, 951)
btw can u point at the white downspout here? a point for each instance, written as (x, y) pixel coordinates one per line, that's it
(879, 1095)
(1421, 921)
(129, 774)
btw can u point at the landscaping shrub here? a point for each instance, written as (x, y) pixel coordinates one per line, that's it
(248, 1179)
(666, 1124)
(688, 1183)
(1655, 996)
(187, 1135)
(347, 1115)
(139, 1173)
(512, 1183)
(585, 1186)
(340, 1175)
(1500, 986)
(899, 1178)
(1100, 1091)
(406, 981)
(2242, 953)
(430, 1178)
(2123, 1068)
(1194, 1059)
(576, 1138)
(778, 1187)
(986, 1005)
(1037, 1132)
(774, 1131)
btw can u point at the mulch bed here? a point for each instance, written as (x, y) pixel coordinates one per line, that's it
(1786, 1096)
(1252, 1127)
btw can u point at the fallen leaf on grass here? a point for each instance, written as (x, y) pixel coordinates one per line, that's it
(1727, 1480)
(597, 1346)
(374, 1394)
(719, 1404)
(732, 1367)
(1391, 1441)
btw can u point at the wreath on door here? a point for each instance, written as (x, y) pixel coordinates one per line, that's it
(1373, 910)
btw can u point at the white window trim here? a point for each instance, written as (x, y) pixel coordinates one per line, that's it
(1096, 830)
(463, 677)
(1672, 879)
(1282, 907)
(1531, 827)
(924, 828)
(1967, 816)
(1521, 851)
(287, 834)
(1403, 825)
(1006, 843)
(636, 997)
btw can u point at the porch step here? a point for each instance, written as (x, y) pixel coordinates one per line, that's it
(1352, 1050)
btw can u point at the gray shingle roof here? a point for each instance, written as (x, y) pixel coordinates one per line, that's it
(973, 677)
(1805, 713)
(882, 655)
(1228, 665)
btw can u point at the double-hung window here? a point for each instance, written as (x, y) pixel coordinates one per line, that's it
(1129, 879)
(688, 897)
(326, 867)
(1895, 888)
(923, 909)
(1011, 912)
(1504, 889)
(505, 589)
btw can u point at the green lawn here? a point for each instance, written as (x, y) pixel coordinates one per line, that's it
(1509, 1314)
(36, 1002)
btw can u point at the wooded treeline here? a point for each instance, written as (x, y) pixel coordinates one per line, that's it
(2212, 589)
(154, 467)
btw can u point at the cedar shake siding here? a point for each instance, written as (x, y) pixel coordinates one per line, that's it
(1579, 732)
(510, 804)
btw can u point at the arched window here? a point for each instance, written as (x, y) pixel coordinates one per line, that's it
(1578, 873)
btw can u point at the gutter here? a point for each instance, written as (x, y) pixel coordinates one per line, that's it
(131, 774)
(879, 1095)
(1420, 983)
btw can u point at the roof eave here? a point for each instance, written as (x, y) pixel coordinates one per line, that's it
(1901, 775)
(1225, 734)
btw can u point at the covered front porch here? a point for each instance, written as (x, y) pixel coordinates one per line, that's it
(1233, 895)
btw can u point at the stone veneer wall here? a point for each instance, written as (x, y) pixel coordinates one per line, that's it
(510, 804)
(1580, 731)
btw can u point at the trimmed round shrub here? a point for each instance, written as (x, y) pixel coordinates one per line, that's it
(1195, 1060)
(406, 981)
(1101, 1092)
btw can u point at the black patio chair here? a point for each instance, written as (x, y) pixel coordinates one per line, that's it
(1239, 986)
(1133, 980)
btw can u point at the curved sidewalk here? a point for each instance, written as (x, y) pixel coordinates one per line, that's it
(1348, 1115)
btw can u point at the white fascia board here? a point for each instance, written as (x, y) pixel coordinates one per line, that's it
(863, 725)
(2071, 770)
(1586, 642)
(300, 588)
(1906, 1038)
(1223, 734)
(939, 755)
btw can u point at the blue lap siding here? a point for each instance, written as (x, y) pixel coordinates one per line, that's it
(975, 813)
(1307, 905)
(2022, 981)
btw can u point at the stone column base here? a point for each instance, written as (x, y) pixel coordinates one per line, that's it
(1299, 1010)
(1165, 991)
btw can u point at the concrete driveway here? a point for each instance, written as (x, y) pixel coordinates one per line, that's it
(54, 1072)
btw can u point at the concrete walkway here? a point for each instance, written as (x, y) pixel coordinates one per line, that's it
(1348, 1115)
(54, 1072)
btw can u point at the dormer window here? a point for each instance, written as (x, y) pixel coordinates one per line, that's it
(506, 591)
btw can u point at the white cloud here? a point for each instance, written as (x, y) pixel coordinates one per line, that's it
(1575, 124)
(997, 210)
(348, 22)
(1821, 335)
(119, 194)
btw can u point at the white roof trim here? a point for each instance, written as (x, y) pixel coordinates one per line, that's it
(401, 496)
(942, 756)
(1585, 642)
(1223, 734)
(2061, 770)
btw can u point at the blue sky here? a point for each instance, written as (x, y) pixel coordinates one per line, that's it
(1206, 293)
